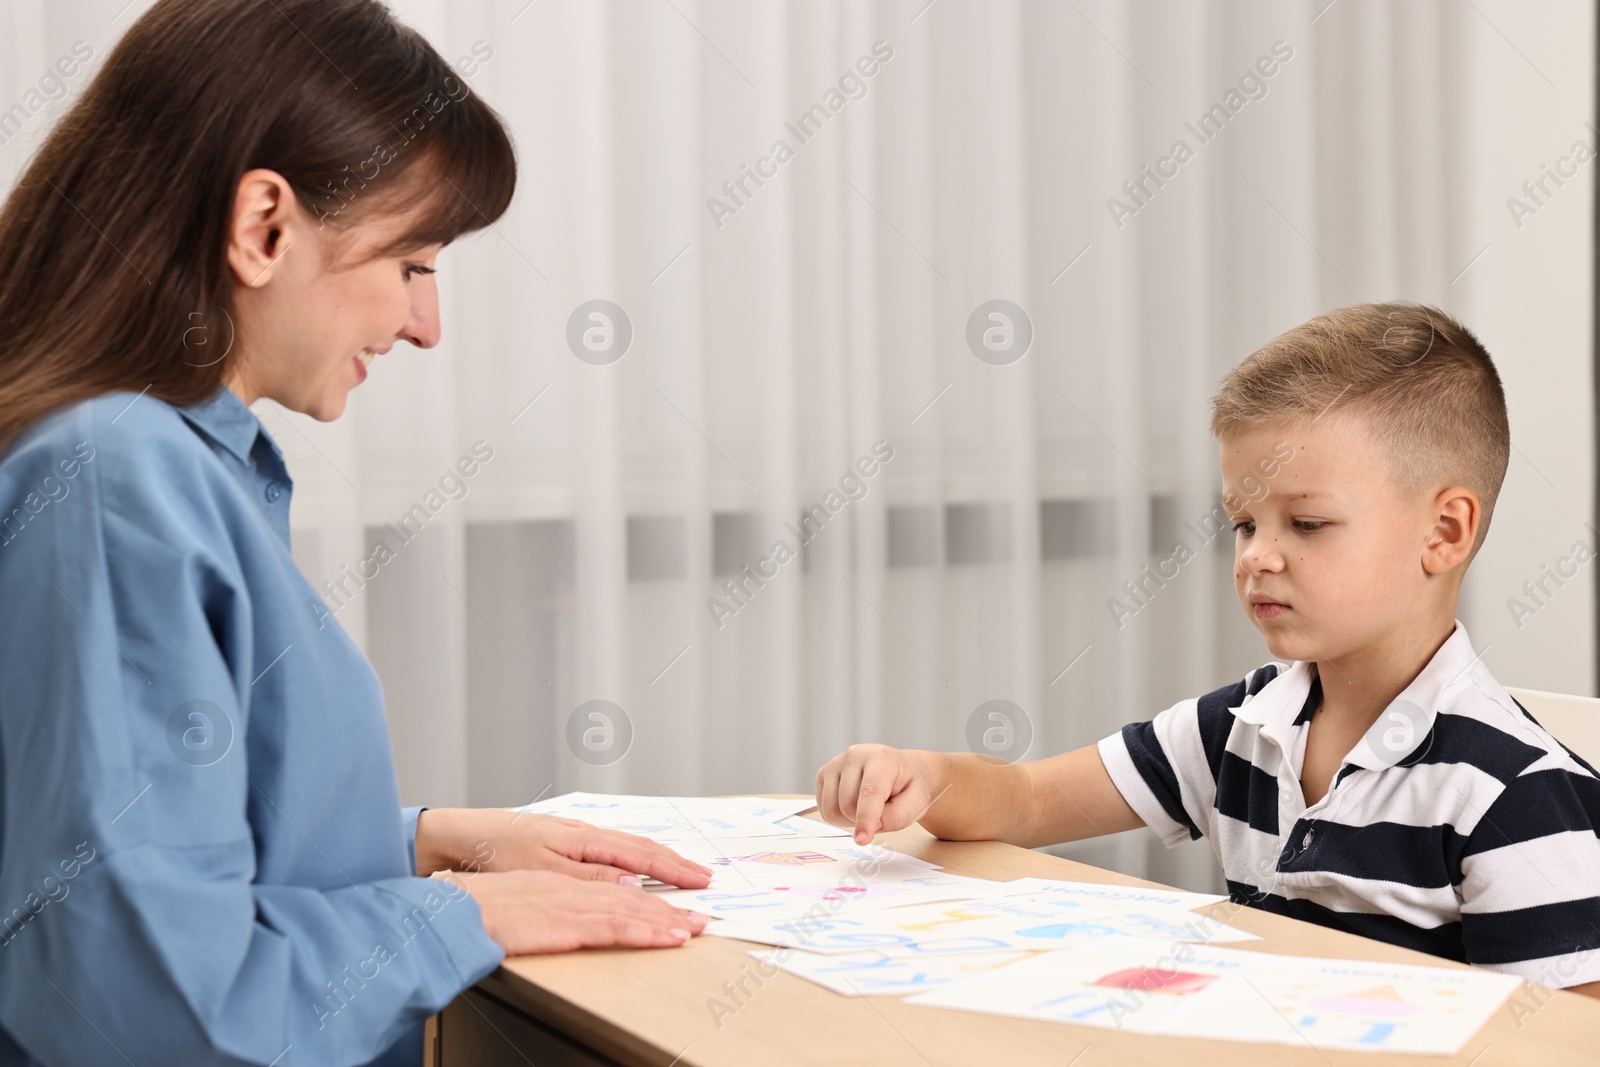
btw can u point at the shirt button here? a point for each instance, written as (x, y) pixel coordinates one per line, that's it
(1305, 842)
(273, 492)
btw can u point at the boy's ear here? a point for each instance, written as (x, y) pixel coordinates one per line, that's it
(1457, 514)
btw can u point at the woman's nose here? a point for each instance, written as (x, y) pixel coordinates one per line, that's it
(422, 329)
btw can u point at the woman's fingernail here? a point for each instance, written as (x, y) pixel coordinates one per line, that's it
(680, 933)
(697, 919)
(630, 879)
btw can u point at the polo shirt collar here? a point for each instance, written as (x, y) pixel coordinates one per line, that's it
(1283, 704)
(226, 420)
(1402, 732)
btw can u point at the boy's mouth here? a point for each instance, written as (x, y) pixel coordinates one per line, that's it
(1264, 607)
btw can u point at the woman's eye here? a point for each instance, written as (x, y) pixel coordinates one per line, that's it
(416, 268)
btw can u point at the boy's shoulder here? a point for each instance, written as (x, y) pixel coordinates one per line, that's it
(1455, 729)
(1483, 730)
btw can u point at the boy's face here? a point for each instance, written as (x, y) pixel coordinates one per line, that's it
(1328, 549)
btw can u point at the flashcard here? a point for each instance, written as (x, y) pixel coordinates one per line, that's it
(769, 862)
(1351, 1004)
(805, 894)
(806, 827)
(668, 820)
(1106, 895)
(771, 810)
(863, 974)
(1192, 991)
(973, 925)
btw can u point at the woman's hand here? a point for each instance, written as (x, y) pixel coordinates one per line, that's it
(496, 840)
(875, 788)
(531, 912)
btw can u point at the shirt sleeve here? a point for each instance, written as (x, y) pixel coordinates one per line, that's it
(1166, 768)
(408, 826)
(1530, 879)
(132, 924)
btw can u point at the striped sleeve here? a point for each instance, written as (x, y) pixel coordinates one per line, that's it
(1166, 769)
(1530, 879)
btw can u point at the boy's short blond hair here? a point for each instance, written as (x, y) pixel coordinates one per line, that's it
(1417, 379)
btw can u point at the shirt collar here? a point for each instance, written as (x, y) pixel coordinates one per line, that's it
(226, 420)
(1282, 704)
(1402, 732)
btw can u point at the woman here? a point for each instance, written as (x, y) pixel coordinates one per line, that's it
(203, 858)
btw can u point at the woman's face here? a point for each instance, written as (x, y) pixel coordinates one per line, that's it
(315, 306)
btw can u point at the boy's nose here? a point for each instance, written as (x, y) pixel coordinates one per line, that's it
(1256, 560)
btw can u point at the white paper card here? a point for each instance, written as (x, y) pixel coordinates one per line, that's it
(769, 809)
(761, 910)
(668, 820)
(866, 974)
(975, 925)
(1109, 895)
(807, 827)
(1198, 991)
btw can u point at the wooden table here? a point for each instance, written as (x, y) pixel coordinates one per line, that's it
(652, 1007)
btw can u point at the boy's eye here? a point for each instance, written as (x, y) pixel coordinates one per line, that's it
(1309, 525)
(1245, 528)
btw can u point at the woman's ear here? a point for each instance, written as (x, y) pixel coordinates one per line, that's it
(1457, 514)
(261, 231)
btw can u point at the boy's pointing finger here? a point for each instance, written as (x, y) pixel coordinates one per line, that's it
(876, 783)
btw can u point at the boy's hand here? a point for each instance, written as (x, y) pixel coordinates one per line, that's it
(874, 788)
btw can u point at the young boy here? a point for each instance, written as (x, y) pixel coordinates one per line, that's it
(1383, 782)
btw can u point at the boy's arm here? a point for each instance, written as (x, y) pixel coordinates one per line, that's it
(1074, 798)
(1530, 902)
(964, 797)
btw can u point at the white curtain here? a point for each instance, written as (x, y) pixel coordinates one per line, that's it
(778, 337)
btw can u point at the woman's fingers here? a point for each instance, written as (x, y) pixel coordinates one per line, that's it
(530, 912)
(663, 864)
(616, 853)
(626, 931)
(639, 855)
(630, 917)
(590, 872)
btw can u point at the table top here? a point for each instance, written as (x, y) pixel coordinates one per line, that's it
(653, 1006)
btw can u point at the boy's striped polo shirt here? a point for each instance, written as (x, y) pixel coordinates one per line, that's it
(1457, 825)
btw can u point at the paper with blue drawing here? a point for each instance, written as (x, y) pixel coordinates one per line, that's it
(1142, 986)
(869, 921)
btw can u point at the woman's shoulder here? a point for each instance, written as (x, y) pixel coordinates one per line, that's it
(137, 453)
(120, 430)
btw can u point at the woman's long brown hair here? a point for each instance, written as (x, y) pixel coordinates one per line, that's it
(112, 244)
